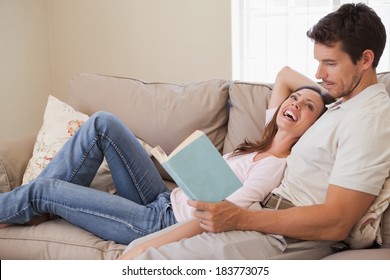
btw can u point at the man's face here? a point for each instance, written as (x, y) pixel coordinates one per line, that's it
(341, 78)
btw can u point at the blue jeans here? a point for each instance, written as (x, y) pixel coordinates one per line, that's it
(141, 206)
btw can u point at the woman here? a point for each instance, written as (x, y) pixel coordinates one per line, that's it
(143, 204)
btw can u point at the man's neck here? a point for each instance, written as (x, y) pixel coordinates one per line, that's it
(368, 78)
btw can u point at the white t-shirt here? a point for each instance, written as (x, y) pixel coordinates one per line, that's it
(258, 180)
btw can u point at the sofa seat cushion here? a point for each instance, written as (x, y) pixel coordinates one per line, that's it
(55, 239)
(364, 254)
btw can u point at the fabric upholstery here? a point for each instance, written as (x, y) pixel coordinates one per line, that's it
(248, 102)
(365, 254)
(368, 229)
(56, 239)
(384, 77)
(14, 156)
(385, 228)
(60, 122)
(159, 113)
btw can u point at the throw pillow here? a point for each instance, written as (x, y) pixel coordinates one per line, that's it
(60, 123)
(368, 229)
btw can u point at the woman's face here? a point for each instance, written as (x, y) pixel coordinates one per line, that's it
(299, 111)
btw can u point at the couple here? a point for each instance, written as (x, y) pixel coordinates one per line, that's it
(144, 205)
(333, 174)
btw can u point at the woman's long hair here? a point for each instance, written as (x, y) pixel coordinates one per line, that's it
(270, 131)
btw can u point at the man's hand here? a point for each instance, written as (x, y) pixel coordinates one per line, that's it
(217, 217)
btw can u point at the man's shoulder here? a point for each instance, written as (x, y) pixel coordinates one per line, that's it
(379, 106)
(375, 102)
(371, 116)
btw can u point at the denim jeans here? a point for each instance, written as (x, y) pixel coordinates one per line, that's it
(141, 206)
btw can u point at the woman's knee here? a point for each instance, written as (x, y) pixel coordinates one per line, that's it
(104, 120)
(43, 182)
(104, 117)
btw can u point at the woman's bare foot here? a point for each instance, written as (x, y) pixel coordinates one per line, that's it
(4, 225)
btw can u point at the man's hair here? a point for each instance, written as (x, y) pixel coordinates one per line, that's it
(356, 26)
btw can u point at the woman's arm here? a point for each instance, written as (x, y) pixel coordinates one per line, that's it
(259, 182)
(287, 80)
(188, 229)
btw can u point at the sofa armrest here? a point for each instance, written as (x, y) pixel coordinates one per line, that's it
(14, 157)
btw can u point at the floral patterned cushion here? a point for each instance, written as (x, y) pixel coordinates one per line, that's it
(368, 229)
(60, 123)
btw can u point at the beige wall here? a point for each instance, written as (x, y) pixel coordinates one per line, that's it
(25, 72)
(152, 40)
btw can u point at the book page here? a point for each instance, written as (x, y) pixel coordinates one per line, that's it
(188, 140)
(159, 154)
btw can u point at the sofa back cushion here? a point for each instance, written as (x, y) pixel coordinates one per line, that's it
(159, 113)
(14, 155)
(384, 77)
(248, 103)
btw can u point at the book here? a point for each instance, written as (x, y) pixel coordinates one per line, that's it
(199, 169)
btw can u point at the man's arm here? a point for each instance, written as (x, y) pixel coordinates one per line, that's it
(188, 229)
(329, 221)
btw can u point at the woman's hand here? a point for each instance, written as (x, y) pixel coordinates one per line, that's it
(217, 217)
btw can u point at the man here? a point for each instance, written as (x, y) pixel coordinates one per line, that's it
(334, 172)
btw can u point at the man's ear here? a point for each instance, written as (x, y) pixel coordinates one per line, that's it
(367, 59)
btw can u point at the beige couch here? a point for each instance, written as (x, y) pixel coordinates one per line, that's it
(158, 113)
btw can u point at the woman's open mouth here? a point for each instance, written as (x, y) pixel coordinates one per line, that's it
(289, 114)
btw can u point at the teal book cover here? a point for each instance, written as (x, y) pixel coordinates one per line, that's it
(199, 169)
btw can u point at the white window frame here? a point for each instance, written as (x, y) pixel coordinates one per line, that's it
(259, 59)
